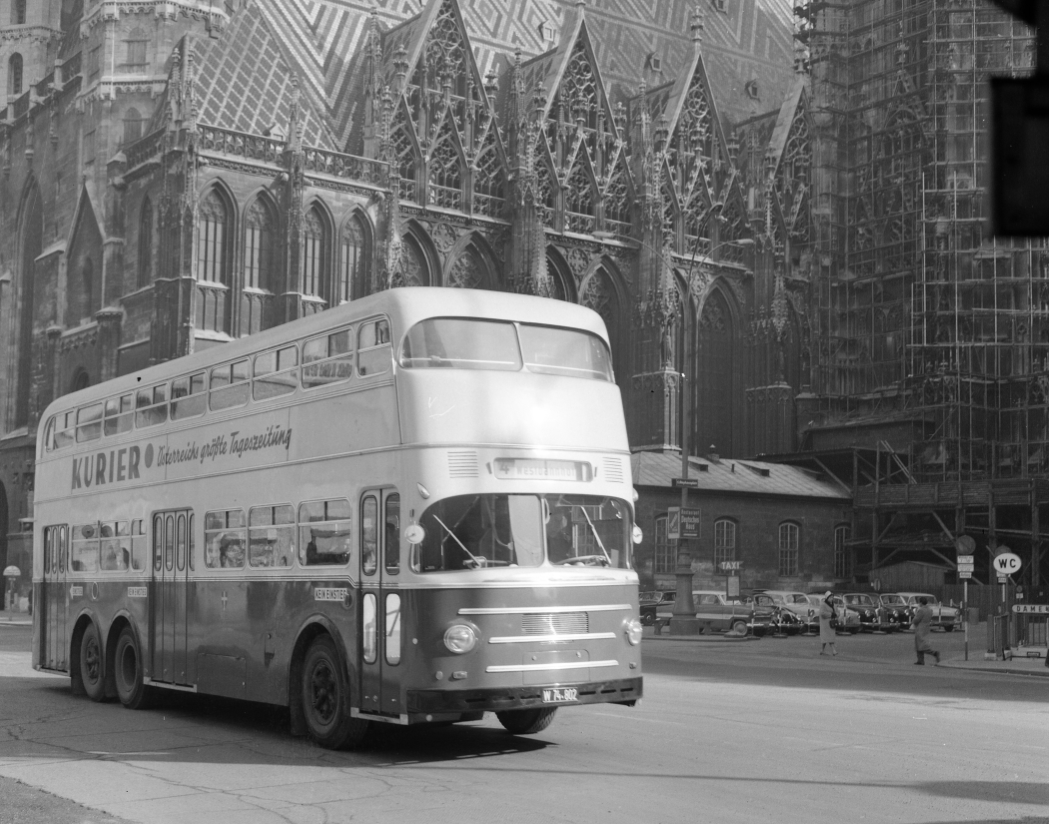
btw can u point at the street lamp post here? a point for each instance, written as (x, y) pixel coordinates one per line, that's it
(683, 620)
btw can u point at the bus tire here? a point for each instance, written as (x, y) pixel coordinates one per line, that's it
(92, 664)
(325, 698)
(127, 673)
(526, 722)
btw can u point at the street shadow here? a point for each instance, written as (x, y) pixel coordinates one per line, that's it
(188, 728)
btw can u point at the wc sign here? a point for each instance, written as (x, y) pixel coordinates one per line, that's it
(1008, 563)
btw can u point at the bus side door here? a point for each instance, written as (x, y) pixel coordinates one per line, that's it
(172, 546)
(54, 644)
(380, 641)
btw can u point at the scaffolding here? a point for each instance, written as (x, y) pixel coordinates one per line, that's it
(934, 336)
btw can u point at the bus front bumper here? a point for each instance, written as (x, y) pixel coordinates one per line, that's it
(620, 691)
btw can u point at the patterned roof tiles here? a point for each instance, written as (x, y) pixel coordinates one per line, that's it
(244, 82)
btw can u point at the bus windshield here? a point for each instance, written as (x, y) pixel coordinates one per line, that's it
(470, 343)
(479, 531)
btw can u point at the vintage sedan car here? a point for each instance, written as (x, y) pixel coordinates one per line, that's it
(943, 616)
(844, 620)
(655, 604)
(719, 612)
(867, 605)
(774, 618)
(798, 603)
(897, 610)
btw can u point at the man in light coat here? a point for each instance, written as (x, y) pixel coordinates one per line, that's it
(921, 623)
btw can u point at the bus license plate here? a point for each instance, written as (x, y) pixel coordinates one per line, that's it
(560, 695)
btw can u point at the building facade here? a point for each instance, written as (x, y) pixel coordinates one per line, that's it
(175, 174)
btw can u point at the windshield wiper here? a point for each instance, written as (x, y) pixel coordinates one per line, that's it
(473, 557)
(608, 558)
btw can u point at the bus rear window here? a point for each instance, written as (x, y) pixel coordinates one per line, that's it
(556, 351)
(461, 343)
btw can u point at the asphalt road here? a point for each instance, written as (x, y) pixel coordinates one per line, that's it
(760, 731)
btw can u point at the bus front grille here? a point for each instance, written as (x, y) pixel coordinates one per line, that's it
(555, 623)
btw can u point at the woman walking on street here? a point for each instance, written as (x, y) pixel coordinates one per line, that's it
(922, 623)
(826, 630)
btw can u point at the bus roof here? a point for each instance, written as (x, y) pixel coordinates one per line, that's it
(405, 306)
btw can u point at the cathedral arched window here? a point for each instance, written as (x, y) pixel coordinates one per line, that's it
(136, 44)
(212, 234)
(314, 243)
(260, 229)
(446, 175)
(14, 75)
(85, 298)
(132, 125)
(354, 280)
(145, 244)
(18, 8)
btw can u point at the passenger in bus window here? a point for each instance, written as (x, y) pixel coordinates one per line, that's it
(231, 551)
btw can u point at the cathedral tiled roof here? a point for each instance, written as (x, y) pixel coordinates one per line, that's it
(323, 42)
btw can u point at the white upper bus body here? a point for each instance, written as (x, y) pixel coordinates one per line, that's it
(321, 477)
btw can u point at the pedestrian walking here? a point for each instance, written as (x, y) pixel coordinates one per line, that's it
(921, 623)
(826, 630)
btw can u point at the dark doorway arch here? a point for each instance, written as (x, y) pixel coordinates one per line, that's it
(712, 391)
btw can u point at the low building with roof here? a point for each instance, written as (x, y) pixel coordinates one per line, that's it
(788, 526)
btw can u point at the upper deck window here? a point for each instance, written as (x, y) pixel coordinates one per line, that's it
(276, 373)
(229, 385)
(462, 343)
(467, 343)
(327, 359)
(556, 351)
(151, 405)
(373, 347)
(119, 415)
(89, 423)
(187, 396)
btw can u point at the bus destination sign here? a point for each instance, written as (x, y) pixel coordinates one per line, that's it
(533, 469)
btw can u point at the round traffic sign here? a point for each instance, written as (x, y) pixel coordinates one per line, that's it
(965, 545)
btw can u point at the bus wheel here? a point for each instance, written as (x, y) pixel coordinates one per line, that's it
(325, 698)
(526, 722)
(127, 673)
(92, 673)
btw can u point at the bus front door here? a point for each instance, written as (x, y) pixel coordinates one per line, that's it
(54, 597)
(172, 548)
(380, 625)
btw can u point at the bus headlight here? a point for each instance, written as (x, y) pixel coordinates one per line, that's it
(633, 630)
(460, 638)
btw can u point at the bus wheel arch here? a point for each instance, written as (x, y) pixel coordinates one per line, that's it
(320, 689)
(87, 665)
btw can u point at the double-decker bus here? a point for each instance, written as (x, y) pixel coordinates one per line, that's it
(412, 508)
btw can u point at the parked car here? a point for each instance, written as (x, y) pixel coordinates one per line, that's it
(942, 616)
(895, 606)
(721, 613)
(777, 618)
(798, 603)
(844, 620)
(867, 605)
(655, 604)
